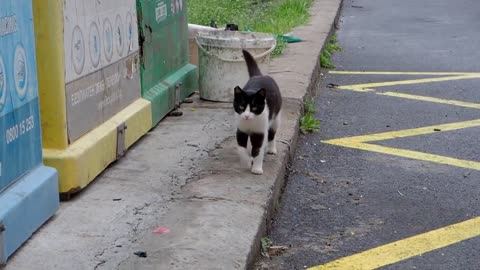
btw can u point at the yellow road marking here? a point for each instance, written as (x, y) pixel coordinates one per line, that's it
(345, 72)
(406, 132)
(461, 163)
(432, 99)
(360, 142)
(423, 243)
(366, 87)
(407, 248)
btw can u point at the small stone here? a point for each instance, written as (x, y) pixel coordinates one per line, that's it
(175, 114)
(141, 254)
(318, 207)
(345, 123)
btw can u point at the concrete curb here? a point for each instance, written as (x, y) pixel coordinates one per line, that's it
(322, 10)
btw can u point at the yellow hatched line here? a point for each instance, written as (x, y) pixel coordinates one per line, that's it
(366, 87)
(461, 163)
(345, 72)
(432, 99)
(405, 132)
(407, 248)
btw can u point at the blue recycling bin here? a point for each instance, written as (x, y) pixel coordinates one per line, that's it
(28, 189)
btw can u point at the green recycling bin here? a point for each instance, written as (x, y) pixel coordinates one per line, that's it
(166, 75)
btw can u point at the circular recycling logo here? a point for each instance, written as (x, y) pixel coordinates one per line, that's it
(21, 71)
(119, 35)
(108, 39)
(78, 50)
(129, 31)
(95, 49)
(3, 84)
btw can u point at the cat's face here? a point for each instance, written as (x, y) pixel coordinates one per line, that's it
(249, 104)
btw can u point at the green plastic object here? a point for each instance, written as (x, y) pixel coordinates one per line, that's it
(166, 75)
(285, 38)
(289, 39)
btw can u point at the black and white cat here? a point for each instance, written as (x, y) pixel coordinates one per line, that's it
(257, 107)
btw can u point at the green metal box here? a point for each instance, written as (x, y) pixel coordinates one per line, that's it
(167, 77)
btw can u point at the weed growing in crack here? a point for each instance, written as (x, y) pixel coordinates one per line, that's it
(308, 123)
(330, 48)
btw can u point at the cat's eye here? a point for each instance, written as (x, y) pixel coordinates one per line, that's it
(254, 108)
(242, 107)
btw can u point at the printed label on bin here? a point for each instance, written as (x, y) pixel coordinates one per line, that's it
(161, 11)
(98, 34)
(20, 138)
(101, 61)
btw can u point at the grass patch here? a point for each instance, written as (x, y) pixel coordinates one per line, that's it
(268, 16)
(325, 61)
(281, 45)
(266, 243)
(278, 16)
(308, 123)
(330, 48)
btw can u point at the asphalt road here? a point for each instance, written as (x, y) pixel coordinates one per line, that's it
(352, 195)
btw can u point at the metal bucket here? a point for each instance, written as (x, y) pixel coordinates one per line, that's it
(221, 63)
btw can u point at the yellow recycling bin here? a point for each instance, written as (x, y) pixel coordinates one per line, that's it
(89, 86)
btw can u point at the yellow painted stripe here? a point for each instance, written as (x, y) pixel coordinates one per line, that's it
(407, 248)
(467, 164)
(355, 88)
(432, 99)
(369, 86)
(407, 132)
(345, 72)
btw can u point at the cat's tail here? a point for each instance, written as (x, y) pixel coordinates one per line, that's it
(252, 66)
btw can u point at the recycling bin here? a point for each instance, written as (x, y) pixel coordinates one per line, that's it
(28, 189)
(90, 93)
(167, 77)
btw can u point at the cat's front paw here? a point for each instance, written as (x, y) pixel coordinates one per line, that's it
(272, 148)
(258, 171)
(272, 151)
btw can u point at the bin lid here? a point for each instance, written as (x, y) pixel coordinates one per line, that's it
(235, 39)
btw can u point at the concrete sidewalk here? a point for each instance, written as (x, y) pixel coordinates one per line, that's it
(184, 175)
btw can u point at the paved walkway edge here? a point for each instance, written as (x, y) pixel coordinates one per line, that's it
(324, 21)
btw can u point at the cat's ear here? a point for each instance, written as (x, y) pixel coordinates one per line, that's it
(262, 92)
(238, 90)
